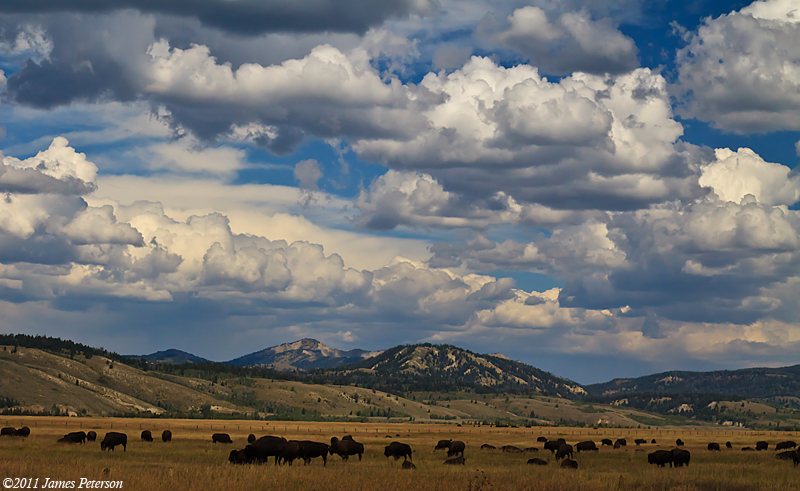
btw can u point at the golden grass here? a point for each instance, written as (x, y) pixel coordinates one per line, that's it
(192, 462)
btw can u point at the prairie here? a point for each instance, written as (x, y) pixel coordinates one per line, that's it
(191, 461)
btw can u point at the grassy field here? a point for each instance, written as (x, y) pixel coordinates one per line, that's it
(192, 462)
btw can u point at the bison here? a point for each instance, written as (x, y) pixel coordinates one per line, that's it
(453, 447)
(569, 464)
(551, 445)
(511, 449)
(565, 450)
(147, 436)
(455, 460)
(762, 445)
(73, 437)
(8, 431)
(653, 441)
(166, 436)
(542, 439)
(112, 439)
(310, 450)
(251, 438)
(221, 438)
(785, 445)
(24, 431)
(238, 457)
(486, 446)
(397, 450)
(268, 446)
(680, 457)
(288, 452)
(91, 436)
(678, 442)
(796, 457)
(536, 461)
(713, 446)
(345, 448)
(607, 441)
(786, 455)
(640, 441)
(728, 445)
(530, 449)
(660, 457)
(748, 449)
(407, 464)
(586, 446)
(622, 443)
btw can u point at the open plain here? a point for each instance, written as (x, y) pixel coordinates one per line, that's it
(191, 461)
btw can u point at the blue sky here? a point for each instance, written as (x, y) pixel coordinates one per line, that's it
(600, 189)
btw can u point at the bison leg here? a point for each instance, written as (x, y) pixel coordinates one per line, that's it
(359, 459)
(324, 460)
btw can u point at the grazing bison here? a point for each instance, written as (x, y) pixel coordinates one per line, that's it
(24, 431)
(407, 464)
(147, 436)
(453, 447)
(713, 446)
(678, 442)
(91, 436)
(653, 440)
(680, 457)
(551, 445)
(541, 439)
(397, 450)
(221, 438)
(311, 450)
(511, 449)
(785, 445)
(237, 457)
(569, 464)
(728, 445)
(786, 455)
(640, 441)
(530, 449)
(8, 431)
(455, 461)
(251, 438)
(622, 442)
(796, 457)
(112, 439)
(563, 451)
(288, 452)
(74, 437)
(535, 461)
(762, 445)
(586, 446)
(486, 446)
(166, 436)
(348, 437)
(345, 448)
(267, 446)
(660, 457)
(607, 441)
(748, 449)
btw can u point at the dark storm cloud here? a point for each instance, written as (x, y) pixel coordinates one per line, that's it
(245, 17)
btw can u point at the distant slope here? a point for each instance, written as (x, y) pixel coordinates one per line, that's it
(748, 382)
(305, 354)
(171, 356)
(445, 367)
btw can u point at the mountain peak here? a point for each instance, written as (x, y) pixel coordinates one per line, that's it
(303, 354)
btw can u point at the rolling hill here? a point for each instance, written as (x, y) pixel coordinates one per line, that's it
(171, 356)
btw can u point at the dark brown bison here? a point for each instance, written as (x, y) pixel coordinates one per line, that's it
(660, 457)
(455, 460)
(530, 449)
(565, 450)
(714, 446)
(551, 445)
(586, 446)
(397, 450)
(542, 439)
(407, 464)
(680, 457)
(147, 436)
(238, 457)
(268, 446)
(796, 457)
(288, 452)
(622, 442)
(748, 449)
(536, 461)
(348, 437)
(785, 445)
(728, 445)
(640, 441)
(569, 464)
(453, 447)
(91, 436)
(221, 438)
(311, 450)
(653, 440)
(607, 441)
(251, 438)
(762, 445)
(8, 431)
(166, 436)
(74, 437)
(345, 448)
(24, 431)
(785, 455)
(486, 446)
(511, 449)
(112, 439)
(678, 442)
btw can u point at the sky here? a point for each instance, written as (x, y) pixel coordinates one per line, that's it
(599, 189)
